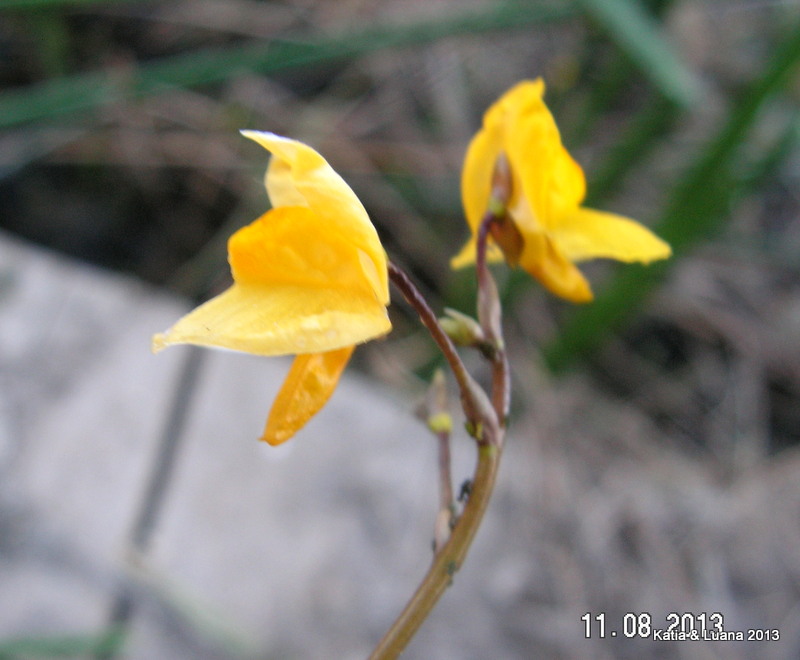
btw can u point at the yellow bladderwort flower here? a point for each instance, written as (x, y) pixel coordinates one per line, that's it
(310, 279)
(549, 231)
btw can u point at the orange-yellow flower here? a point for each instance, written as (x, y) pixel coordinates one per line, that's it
(310, 278)
(553, 231)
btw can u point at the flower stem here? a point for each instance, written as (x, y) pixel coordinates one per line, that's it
(490, 316)
(445, 517)
(436, 414)
(447, 561)
(489, 419)
(472, 396)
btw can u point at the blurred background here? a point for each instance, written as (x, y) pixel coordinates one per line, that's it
(655, 430)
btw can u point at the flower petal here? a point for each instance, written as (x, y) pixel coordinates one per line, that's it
(551, 181)
(299, 176)
(476, 175)
(543, 259)
(589, 234)
(468, 253)
(547, 182)
(298, 288)
(293, 245)
(496, 135)
(279, 320)
(307, 388)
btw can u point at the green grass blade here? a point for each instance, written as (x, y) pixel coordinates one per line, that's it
(637, 34)
(59, 4)
(53, 43)
(87, 91)
(696, 207)
(762, 171)
(634, 144)
(62, 646)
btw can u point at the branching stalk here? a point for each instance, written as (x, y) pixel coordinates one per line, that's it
(488, 423)
(473, 398)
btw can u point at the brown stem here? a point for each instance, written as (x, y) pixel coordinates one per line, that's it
(483, 416)
(445, 484)
(449, 559)
(472, 396)
(490, 315)
(501, 386)
(436, 412)
(445, 517)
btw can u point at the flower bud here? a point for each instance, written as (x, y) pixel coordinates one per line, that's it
(440, 423)
(433, 410)
(462, 329)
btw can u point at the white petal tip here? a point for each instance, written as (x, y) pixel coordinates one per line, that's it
(257, 136)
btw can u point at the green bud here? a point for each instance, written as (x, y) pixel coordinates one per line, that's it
(462, 329)
(440, 423)
(433, 410)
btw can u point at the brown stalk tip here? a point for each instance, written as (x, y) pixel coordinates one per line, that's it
(506, 234)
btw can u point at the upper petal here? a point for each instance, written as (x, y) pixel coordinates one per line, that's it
(547, 182)
(589, 234)
(548, 178)
(299, 176)
(293, 245)
(476, 175)
(497, 133)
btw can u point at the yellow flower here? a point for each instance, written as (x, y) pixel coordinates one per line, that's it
(310, 278)
(551, 231)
